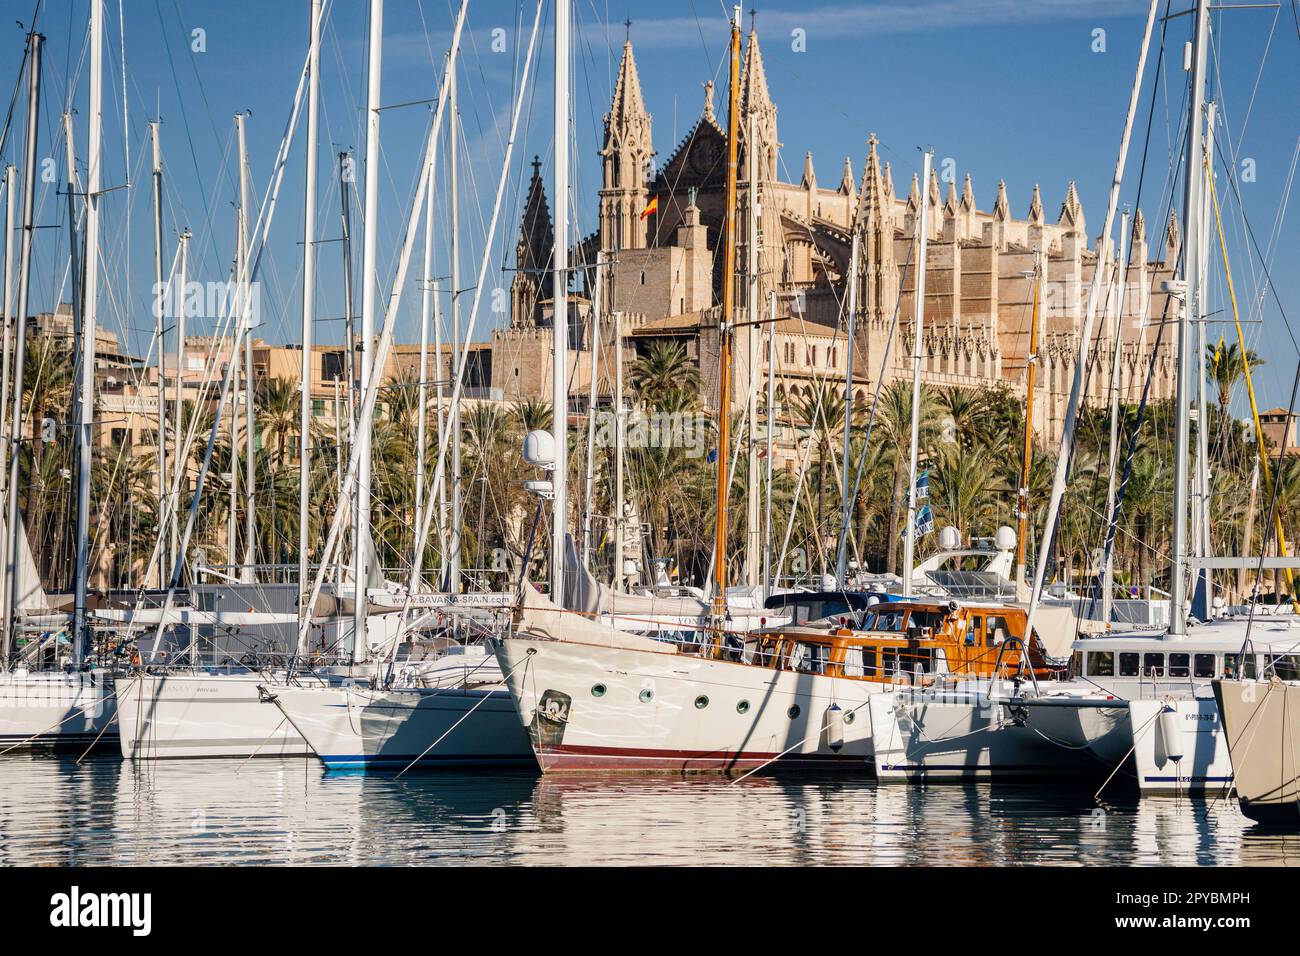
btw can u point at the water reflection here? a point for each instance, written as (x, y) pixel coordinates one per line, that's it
(54, 811)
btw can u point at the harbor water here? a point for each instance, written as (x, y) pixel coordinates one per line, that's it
(103, 811)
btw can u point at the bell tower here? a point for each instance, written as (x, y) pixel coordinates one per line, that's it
(627, 153)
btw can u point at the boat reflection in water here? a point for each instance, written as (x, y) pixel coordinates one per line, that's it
(201, 811)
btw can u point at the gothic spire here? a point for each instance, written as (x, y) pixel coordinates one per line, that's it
(914, 194)
(1072, 210)
(628, 106)
(1171, 233)
(1001, 205)
(846, 178)
(809, 180)
(536, 230)
(1139, 228)
(874, 193)
(754, 94)
(1036, 208)
(950, 203)
(967, 196)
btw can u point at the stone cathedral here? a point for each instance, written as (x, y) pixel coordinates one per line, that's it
(662, 273)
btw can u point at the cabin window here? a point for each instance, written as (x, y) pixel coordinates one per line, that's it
(1076, 663)
(891, 621)
(1203, 665)
(809, 658)
(1101, 664)
(1129, 664)
(1153, 665)
(869, 665)
(1232, 668)
(1286, 666)
(975, 630)
(1180, 665)
(852, 666)
(996, 630)
(890, 661)
(921, 661)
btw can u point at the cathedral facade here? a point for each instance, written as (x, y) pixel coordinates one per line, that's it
(661, 273)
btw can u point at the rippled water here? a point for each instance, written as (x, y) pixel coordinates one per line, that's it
(104, 811)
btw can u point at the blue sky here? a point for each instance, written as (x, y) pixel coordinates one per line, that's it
(1019, 90)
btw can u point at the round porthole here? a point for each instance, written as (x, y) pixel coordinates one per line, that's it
(742, 707)
(848, 718)
(598, 690)
(793, 712)
(647, 695)
(701, 702)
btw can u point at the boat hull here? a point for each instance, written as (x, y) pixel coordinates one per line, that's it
(162, 716)
(52, 710)
(367, 730)
(1261, 723)
(590, 708)
(959, 735)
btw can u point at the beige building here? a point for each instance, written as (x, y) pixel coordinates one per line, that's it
(663, 272)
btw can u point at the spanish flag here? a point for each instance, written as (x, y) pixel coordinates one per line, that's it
(651, 206)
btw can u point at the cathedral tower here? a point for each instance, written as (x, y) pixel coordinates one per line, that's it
(627, 156)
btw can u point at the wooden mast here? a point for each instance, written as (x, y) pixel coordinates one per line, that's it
(725, 333)
(1022, 496)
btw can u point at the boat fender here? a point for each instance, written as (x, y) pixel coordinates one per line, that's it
(1171, 733)
(834, 727)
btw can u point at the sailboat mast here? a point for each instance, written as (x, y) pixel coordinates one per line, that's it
(427, 286)
(1202, 590)
(90, 302)
(1108, 554)
(369, 291)
(771, 427)
(846, 506)
(160, 332)
(725, 332)
(1191, 295)
(591, 416)
(918, 346)
(308, 313)
(1027, 458)
(34, 41)
(173, 509)
(454, 535)
(6, 317)
(246, 320)
(560, 322)
(753, 546)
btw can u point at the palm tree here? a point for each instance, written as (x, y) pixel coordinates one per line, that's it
(662, 370)
(278, 410)
(893, 425)
(1225, 366)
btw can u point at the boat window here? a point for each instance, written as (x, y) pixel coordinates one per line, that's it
(996, 630)
(1203, 665)
(1286, 666)
(1153, 665)
(869, 666)
(919, 622)
(809, 658)
(975, 630)
(1232, 669)
(886, 621)
(1180, 665)
(889, 662)
(852, 666)
(921, 661)
(1076, 663)
(1130, 664)
(1101, 664)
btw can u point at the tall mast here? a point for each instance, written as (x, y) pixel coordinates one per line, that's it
(173, 509)
(753, 546)
(846, 506)
(918, 346)
(591, 416)
(620, 441)
(726, 333)
(246, 320)
(90, 307)
(369, 291)
(560, 322)
(34, 41)
(1027, 457)
(160, 333)
(349, 319)
(1202, 588)
(427, 286)
(1108, 563)
(1191, 295)
(308, 314)
(6, 317)
(453, 170)
(771, 426)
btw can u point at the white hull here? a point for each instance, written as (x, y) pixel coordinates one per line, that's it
(354, 728)
(590, 707)
(200, 715)
(1205, 763)
(959, 734)
(50, 709)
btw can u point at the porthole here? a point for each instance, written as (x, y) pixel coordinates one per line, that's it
(598, 690)
(793, 712)
(849, 717)
(701, 702)
(647, 695)
(742, 707)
